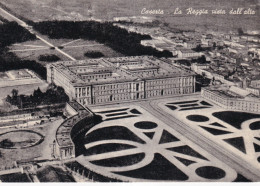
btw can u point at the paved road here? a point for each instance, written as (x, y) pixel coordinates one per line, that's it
(240, 165)
(26, 26)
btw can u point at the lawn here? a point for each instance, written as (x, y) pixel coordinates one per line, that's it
(120, 117)
(237, 143)
(235, 119)
(32, 50)
(184, 102)
(121, 161)
(210, 172)
(197, 118)
(187, 151)
(135, 111)
(215, 131)
(255, 125)
(145, 125)
(159, 169)
(189, 105)
(116, 110)
(116, 114)
(114, 132)
(79, 48)
(167, 137)
(193, 108)
(107, 147)
(171, 107)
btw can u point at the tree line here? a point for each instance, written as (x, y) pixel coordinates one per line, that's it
(120, 40)
(10, 33)
(48, 58)
(53, 95)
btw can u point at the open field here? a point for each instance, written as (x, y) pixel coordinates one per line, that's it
(83, 9)
(78, 48)
(31, 50)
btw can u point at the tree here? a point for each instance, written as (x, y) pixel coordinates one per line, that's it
(203, 75)
(94, 54)
(120, 40)
(37, 93)
(48, 58)
(6, 143)
(8, 98)
(14, 93)
(198, 48)
(240, 31)
(202, 59)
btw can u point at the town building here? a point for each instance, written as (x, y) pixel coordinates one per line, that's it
(255, 83)
(255, 91)
(196, 67)
(232, 98)
(188, 53)
(22, 118)
(158, 44)
(190, 44)
(98, 81)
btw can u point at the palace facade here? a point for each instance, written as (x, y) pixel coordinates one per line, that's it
(97, 81)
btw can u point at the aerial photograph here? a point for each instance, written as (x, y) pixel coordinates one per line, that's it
(129, 91)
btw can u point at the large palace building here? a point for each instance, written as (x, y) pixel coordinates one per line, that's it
(97, 81)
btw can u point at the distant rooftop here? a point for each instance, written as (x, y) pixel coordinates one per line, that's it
(231, 92)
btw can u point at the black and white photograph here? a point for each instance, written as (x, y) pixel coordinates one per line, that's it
(129, 91)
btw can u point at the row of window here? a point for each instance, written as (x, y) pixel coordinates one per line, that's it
(167, 86)
(239, 105)
(171, 81)
(117, 86)
(95, 76)
(118, 97)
